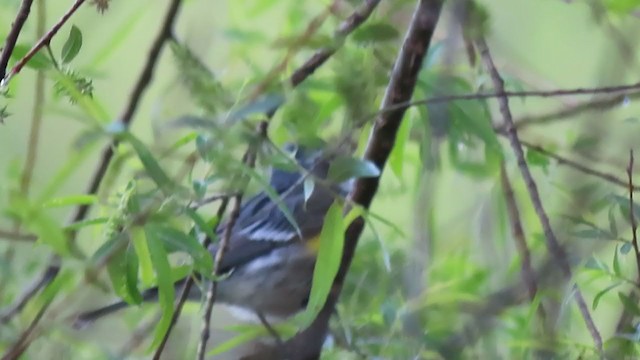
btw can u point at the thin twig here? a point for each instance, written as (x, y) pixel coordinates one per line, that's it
(577, 166)
(14, 33)
(553, 245)
(632, 218)
(307, 343)
(518, 235)
(12, 235)
(316, 60)
(19, 347)
(44, 40)
(138, 336)
(210, 299)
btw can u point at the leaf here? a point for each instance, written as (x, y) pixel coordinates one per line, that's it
(142, 250)
(202, 225)
(150, 164)
(613, 228)
(308, 187)
(328, 261)
(344, 168)
(166, 292)
(629, 304)
(625, 248)
(39, 61)
(263, 105)
(596, 234)
(397, 156)
(596, 299)
(375, 32)
(175, 240)
(616, 263)
(536, 158)
(72, 46)
(69, 200)
(84, 223)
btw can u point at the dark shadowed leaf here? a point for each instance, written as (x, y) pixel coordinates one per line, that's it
(175, 240)
(375, 32)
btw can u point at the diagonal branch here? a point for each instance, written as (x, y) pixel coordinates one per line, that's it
(552, 242)
(307, 343)
(12, 38)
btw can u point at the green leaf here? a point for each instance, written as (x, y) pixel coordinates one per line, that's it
(72, 46)
(120, 266)
(150, 164)
(625, 248)
(375, 32)
(71, 200)
(84, 223)
(596, 234)
(262, 105)
(613, 227)
(202, 225)
(175, 240)
(536, 158)
(616, 263)
(142, 250)
(629, 304)
(344, 168)
(328, 261)
(166, 292)
(39, 61)
(596, 299)
(397, 156)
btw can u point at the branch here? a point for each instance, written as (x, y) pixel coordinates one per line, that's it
(577, 166)
(12, 38)
(307, 343)
(521, 243)
(15, 352)
(321, 56)
(632, 218)
(16, 236)
(553, 245)
(44, 41)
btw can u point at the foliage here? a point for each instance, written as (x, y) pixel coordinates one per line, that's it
(438, 245)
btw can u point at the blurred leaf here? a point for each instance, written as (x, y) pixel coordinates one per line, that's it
(72, 45)
(40, 223)
(84, 223)
(397, 156)
(375, 32)
(536, 158)
(625, 248)
(623, 203)
(142, 250)
(621, 7)
(70, 200)
(316, 41)
(175, 240)
(328, 261)
(118, 37)
(39, 61)
(150, 163)
(598, 296)
(597, 234)
(595, 264)
(344, 168)
(166, 292)
(630, 305)
(613, 227)
(263, 105)
(78, 90)
(202, 225)
(616, 263)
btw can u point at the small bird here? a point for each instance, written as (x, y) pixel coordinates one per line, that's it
(269, 262)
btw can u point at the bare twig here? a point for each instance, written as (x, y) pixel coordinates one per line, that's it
(249, 158)
(521, 243)
(44, 41)
(321, 56)
(577, 166)
(553, 245)
(307, 343)
(565, 113)
(632, 218)
(27, 336)
(12, 235)
(12, 37)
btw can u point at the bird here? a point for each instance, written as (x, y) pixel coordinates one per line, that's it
(267, 270)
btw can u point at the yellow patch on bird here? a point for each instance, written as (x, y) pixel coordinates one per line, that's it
(313, 244)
